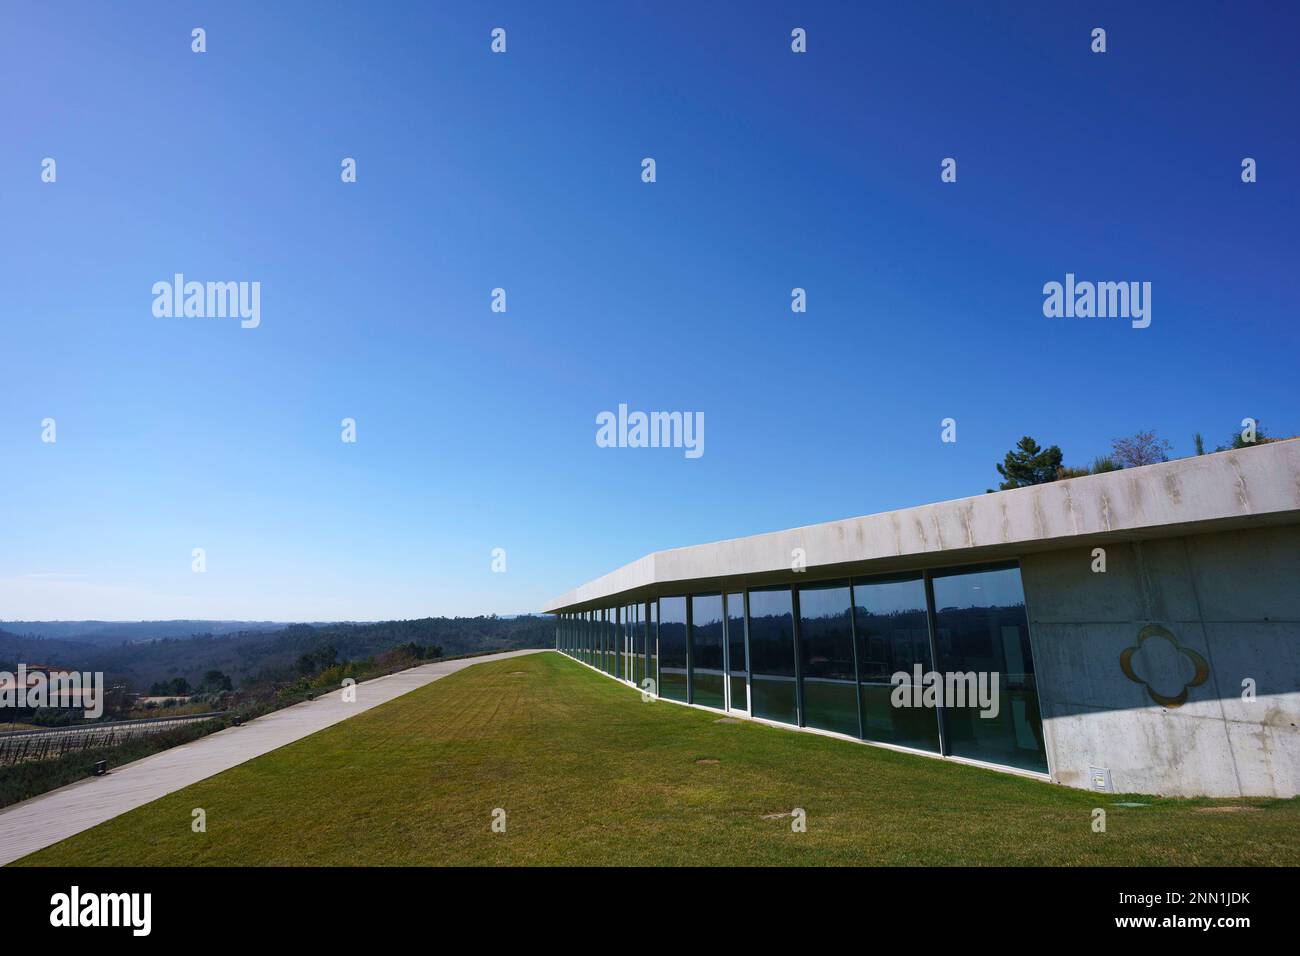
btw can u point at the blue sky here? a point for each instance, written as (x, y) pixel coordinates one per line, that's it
(477, 430)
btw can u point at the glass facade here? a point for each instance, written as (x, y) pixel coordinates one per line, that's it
(707, 671)
(620, 645)
(830, 682)
(674, 661)
(635, 645)
(616, 642)
(893, 635)
(607, 639)
(933, 661)
(652, 644)
(980, 628)
(737, 652)
(773, 689)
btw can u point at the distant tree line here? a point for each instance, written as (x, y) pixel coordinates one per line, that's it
(212, 682)
(185, 665)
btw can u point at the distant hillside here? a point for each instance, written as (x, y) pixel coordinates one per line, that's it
(115, 632)
(250, 654)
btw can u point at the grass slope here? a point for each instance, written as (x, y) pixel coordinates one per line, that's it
(589, 774)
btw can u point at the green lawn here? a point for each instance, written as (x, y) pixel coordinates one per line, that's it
(589, 774)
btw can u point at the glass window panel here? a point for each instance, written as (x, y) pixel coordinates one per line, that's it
(638, 648)
(611, 625)
(771, 655)
(635, 645)
(652, 645)
(616, 647)
(830, 692)
(606, 638)
(608, 635)
(737, 664)
(625, 647)
(893, 635)
(981, 629)
(706, 650)
(672, 648)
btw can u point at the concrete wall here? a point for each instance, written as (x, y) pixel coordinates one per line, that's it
(1233, 598)
(1203, 557)
(1187, 496)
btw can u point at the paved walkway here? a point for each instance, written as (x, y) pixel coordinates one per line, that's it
(41, 821)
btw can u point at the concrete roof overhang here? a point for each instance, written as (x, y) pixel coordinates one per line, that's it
(1216, 492)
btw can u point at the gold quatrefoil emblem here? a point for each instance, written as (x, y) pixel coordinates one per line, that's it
(1201, 670)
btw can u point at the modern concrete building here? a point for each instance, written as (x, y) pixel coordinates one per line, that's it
(1135, 631)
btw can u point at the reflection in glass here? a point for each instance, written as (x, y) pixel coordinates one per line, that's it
(771, 655)
(830, 693)
(611, 639)
(706, 650)
(652, 645)
(981, 628)
(893, 636)
(635, 645)
(737, 663)
(611, 624)
(616, 645)
(620, 644)
(672, 648)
